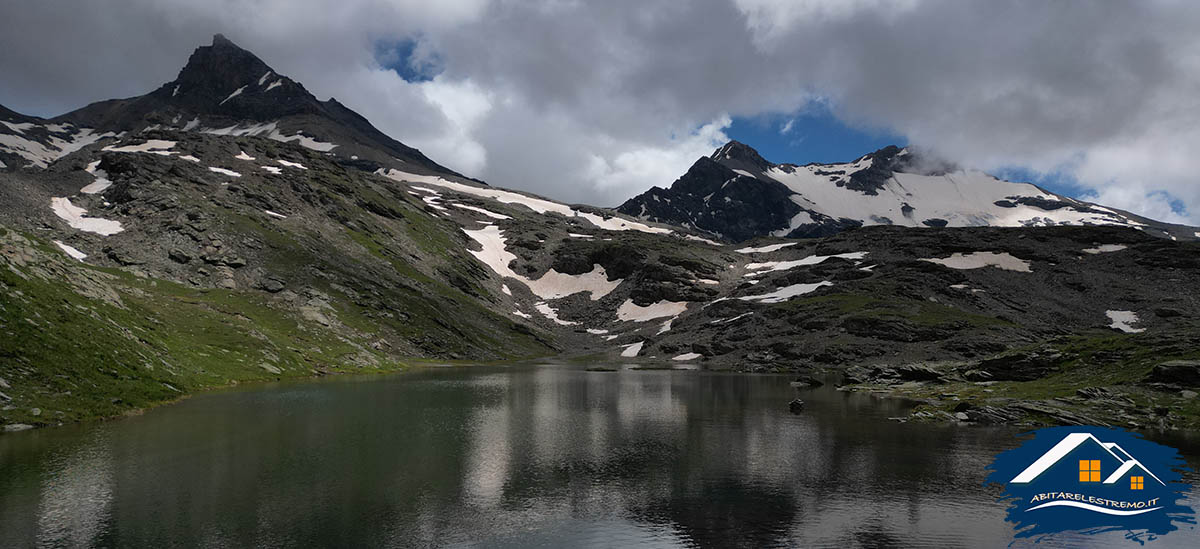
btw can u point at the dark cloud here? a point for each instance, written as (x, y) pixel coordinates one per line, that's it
(594, 101)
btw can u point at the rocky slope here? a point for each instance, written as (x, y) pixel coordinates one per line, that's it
(736, 194)
(145, 259)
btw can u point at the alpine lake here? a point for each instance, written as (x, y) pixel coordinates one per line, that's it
(530, 455)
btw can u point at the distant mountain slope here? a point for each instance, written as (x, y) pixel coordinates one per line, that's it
(737, 195)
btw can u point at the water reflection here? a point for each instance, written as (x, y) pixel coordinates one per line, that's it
(529, 456)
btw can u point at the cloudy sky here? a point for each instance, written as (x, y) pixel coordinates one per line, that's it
(594, 101)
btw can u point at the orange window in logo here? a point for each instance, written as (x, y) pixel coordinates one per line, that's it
(1135, 483)
(1089, 470)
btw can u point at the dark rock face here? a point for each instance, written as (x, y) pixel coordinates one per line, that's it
(215, 72)
(1185, 373)
(1022, 366)
(714, 198)
(740, 156)
(870, 180)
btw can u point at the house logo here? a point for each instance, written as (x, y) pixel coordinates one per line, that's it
(1090, 480)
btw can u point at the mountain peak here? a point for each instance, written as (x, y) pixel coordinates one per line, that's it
(738, 155)
(223, 66)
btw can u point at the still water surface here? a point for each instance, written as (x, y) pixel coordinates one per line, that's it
(523, 456)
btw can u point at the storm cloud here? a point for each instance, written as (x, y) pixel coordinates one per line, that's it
(596, 101)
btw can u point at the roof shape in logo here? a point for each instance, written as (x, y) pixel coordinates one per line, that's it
(1068, 444)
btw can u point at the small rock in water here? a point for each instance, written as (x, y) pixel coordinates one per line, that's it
(796, 406)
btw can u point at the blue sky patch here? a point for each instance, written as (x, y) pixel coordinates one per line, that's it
(812, 135)
(407, 59)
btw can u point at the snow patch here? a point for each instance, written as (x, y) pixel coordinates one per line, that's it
(41, 155)
(235, 93)
(688, 356)
(274, 85)
(153, 146)
(273, 169)
(765, 249)
(18, 127)
(771, 266)
(632, 312)
(298, 165)
(552, 314)
(962, 199)
(270, 129)
(189, 158)
(551, 285)
(488, 213)
(522, 315)
(666, 327)
(632, 349)
(275, 214)
(539, 205)
(73, 215)
(264, 78)
(787, 292)
(1124, 321)
(71, 251)
(595, 331)
(224, 171)
(243, 156)
(695, 238)
(1105, 248)
(100, 184)
(978, 260)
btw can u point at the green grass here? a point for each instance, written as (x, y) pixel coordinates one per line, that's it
(870, 306)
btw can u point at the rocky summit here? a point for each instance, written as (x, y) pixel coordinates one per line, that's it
(229, 227)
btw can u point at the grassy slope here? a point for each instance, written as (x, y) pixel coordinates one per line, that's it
(67, 354)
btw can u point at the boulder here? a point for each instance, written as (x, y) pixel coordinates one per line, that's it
(273, 285)
(179, 256)
(796, 406)
(916, 372)
(1177, 372)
